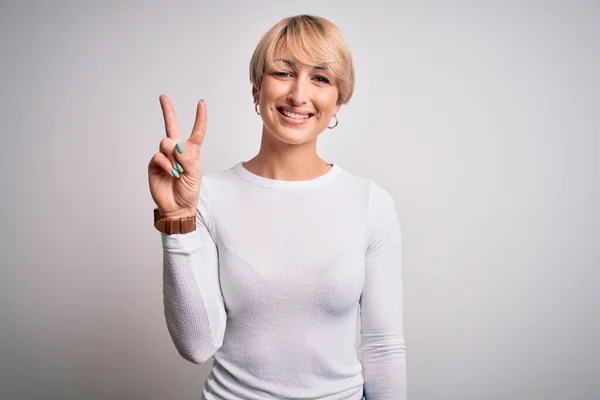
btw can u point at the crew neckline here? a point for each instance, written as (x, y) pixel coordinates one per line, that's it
(243, 173)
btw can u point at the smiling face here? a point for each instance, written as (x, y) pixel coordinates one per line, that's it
(297, 101)
(301, 73)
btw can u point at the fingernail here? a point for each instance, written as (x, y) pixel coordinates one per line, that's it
(202, 100)
(180, 148)
(175, 173)
(179, 167)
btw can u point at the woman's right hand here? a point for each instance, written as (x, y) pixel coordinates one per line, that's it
(175, 188)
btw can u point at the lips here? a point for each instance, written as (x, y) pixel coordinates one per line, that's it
(295, 114)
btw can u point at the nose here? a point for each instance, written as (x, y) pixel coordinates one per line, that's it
(298, 94)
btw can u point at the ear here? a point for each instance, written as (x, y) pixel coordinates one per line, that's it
(255, 94)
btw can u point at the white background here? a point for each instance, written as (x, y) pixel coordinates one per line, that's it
(481, 118)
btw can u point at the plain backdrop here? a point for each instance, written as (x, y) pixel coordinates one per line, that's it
(480, 117)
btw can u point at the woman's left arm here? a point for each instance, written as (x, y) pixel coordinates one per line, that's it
(383, 348)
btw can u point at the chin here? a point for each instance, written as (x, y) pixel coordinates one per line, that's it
(298, 138)
(296, 135)
(293, 135)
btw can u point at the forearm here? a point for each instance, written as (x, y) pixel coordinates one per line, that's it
(193, 304)
(384, 368)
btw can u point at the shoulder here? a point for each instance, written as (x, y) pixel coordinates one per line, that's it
(212, 186)
(375, 192)
(381, 206)
(216, 177)
(213, 181)
(380, 197)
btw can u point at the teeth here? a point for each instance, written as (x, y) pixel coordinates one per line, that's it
(294, 115)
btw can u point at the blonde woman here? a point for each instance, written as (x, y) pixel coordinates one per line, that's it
(267, 265)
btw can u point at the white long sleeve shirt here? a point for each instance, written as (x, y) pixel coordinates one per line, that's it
(273, 279)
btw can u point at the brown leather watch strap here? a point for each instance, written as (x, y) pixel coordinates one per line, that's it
(174, 225)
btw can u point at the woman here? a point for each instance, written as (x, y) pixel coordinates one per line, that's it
(267, 265)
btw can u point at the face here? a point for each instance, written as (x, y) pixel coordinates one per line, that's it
(297, 101)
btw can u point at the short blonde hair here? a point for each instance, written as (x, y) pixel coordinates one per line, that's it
(311, 40)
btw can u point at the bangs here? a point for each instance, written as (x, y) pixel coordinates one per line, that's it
(305, 43)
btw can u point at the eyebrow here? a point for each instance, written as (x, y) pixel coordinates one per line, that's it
(292, 64)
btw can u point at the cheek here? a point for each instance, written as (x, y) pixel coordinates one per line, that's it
(326, 104)
(272, 90)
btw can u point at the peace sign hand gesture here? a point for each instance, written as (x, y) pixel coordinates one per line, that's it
(174, 172)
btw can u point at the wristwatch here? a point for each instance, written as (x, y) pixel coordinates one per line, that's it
(174, 225)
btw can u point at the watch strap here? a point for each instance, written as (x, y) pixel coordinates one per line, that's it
(172, 226)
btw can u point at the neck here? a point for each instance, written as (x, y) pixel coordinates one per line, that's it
(288, 162)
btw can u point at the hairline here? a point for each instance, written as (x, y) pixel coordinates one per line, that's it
(292, 63)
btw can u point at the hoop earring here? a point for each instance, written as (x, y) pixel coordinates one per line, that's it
(336, 122)
(256, 108)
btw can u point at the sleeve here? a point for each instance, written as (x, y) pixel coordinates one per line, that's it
(193, 303)
(383, 348)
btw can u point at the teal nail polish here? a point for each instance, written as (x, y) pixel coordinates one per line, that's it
(175, 173)
(179, 167)
(180, 148)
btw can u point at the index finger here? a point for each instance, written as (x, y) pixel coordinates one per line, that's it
(199, 129)
(171, 126)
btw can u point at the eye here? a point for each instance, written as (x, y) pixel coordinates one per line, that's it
(321, 79)
(283, 74)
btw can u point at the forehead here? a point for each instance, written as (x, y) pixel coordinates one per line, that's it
(294, 63)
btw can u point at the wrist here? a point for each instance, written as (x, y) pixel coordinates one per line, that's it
(181, 221)
(177, 213)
